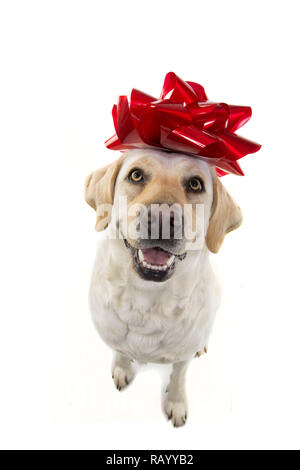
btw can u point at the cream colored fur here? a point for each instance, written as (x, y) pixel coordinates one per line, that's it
(166, 322)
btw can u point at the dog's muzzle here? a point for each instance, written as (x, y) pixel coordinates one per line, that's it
(160, 242)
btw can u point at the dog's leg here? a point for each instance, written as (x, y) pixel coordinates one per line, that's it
(122, 371)
(175, 404)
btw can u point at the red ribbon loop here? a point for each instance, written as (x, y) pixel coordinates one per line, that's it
(183, 120)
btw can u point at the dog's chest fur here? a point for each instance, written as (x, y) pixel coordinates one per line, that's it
(147, 321)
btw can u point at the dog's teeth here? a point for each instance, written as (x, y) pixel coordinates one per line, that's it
(154, 267)
(157, 267)
(170, 260)
(141, 256)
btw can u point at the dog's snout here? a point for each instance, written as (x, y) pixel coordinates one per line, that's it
(161, 221)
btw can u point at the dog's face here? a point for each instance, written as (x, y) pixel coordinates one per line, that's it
(164, 205)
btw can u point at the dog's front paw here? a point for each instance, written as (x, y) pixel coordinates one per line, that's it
(200, 353)
(176, 412)
(122, 376)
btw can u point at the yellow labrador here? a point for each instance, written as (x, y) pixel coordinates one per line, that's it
(153, 293)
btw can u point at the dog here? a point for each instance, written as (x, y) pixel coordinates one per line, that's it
(154, 299)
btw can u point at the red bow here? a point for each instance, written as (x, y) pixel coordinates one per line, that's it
(183, 120)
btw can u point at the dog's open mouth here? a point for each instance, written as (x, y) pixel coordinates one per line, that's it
(154, 264)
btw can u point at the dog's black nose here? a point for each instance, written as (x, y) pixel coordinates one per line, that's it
(162, 222)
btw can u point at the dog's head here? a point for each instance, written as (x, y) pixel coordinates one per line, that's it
(162, 205)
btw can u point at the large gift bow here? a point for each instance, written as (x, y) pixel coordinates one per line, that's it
(183, 120)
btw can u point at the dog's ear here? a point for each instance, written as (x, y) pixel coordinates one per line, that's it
(99, 192)
(225, 217)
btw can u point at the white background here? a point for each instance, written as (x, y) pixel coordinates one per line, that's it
(63, 65)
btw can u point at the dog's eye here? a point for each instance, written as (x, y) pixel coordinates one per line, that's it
(136, 176)
(195, 184)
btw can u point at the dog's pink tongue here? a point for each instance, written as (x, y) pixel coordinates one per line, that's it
(155, 256)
